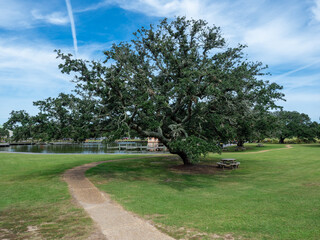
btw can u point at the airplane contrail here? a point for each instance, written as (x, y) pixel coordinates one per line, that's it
(73, 28)
(298, 69)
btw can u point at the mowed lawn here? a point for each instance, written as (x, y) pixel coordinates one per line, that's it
(252, 147)
(35, 202)
(273, 195)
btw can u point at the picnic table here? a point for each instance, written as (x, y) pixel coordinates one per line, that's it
(228, 162)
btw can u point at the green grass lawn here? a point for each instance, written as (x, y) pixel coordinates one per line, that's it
(35, 202)
(273, 195)
(252, 147)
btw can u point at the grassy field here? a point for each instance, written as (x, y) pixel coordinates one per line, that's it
(252, 147)
(273, 195)
(35, 202)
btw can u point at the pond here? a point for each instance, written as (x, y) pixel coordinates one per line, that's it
(83, 148)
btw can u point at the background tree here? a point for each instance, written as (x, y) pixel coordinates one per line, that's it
(252, 125)
(294, 124)
(264, 126)
(64, 117)
(4, 133)
(315, 129)
(176, 82)
(318, 130)
(67, 116)
(21, 123)
(253, 121)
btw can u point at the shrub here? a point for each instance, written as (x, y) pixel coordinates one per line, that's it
(271, 140)
(296, 140)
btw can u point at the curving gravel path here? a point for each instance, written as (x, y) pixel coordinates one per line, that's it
(115, 222)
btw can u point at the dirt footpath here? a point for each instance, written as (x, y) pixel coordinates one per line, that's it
(115, 222)
(263, 151)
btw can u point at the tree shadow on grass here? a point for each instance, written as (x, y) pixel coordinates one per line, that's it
(159, 171)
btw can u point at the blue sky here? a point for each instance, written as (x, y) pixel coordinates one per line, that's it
(283, 34)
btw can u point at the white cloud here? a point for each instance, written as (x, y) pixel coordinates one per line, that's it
(204, 9)
(308, 103)
(279, 34)
(16, 104)
(29, 72)
(30, 67)
(14, 15)
(163, 8)
(299, 69)
(56, 18)
(273, 35)
(278, 41)
(34, 64)
(18, 14)
(93, 7)
(310, 81)
(316, 10)
(313, 98)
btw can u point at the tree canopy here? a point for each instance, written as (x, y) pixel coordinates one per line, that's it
(178, 82)
(295, 124)
(21, 123)
(4, 133)
(67, 116)
(64, 117)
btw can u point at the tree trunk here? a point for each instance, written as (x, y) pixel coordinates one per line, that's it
(240, 144)
(185, 158)
(281, 140)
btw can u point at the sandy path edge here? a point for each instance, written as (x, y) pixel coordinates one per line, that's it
(114, 222)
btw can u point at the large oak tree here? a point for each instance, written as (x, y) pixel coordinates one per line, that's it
(177, 82)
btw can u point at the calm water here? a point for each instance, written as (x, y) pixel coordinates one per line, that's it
(84, 148)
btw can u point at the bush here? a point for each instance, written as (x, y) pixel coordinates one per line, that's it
(271, 140)
(293, 140)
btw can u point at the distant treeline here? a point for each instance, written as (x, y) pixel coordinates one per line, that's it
(78, 118)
